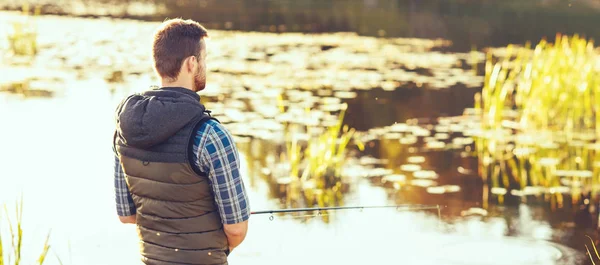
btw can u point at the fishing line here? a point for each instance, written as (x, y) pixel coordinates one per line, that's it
(403, 207)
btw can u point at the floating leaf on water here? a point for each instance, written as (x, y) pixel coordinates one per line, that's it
(523, 151)
(548, 161)
(526, 139)
(436, 190)
(474, 211)
(345, 94)
(263, 134)
(456, 128)
(498, 191)
(441, 136)
(415, 159)
(574, 173)
(452, 188)
(354, 171)
(369, 160)
(476, 132)
(442, 128)
(235, 115)
(593, 146)
(577, 143)
(394, 178)
(549, 145)
(444, 121)
(325, 92)
(425, 174)
(400, 127)
(423, 183)
(378, 172)
(418, 131)
(533, 190)
(408, 139)
(332, 107)
(309, 184)
(241, 139)
(585, 136)
(511, 124)
(284, 180)
(487, 160)
(331, 101)
(267, 124)
(389, 85)
(566, 182)
(267, 111)
(410, 168)
(378, 131)
(472, 112)
(265, 171)
(517, 193)
(559, 189)
(462, 141)
(392, 136)
(443, 189)
(435, 145)
(465, 171)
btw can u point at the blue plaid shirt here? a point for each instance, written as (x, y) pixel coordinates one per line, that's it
(216, 154)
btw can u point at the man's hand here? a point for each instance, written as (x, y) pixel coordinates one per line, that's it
(128, 219)
(236, 233)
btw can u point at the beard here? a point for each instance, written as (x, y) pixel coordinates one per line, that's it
(199, 81)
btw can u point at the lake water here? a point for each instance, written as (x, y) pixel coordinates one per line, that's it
(56, 151)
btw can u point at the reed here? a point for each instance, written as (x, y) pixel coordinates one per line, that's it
(316, 163)
(538, 119)
(589, 253)
(13, 255)
(22, 37)
(316, 155)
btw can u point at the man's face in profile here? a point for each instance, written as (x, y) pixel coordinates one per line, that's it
(200, 73)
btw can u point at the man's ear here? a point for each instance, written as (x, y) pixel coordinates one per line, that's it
(190, 63)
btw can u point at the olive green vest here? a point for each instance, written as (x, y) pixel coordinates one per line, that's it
(177, 219)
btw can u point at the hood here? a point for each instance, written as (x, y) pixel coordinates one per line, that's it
(148, 119)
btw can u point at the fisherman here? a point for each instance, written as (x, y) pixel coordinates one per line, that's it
(177, 169)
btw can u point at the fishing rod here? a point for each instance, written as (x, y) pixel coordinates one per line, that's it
(402, 207)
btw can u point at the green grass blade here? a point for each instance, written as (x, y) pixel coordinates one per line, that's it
(1, 243)
(42, 257)
(60, 262)
(594, 245)
(18, 251)
(590, 255)
(12, 233)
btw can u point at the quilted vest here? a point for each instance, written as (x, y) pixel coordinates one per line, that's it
(177, 219)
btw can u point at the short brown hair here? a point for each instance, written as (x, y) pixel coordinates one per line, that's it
(175, 40)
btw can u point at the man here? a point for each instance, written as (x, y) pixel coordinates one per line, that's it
(177, 169)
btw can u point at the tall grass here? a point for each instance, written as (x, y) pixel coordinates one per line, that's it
(539, 119)
(316, 156)
(13, 255)
(22, 37)
(589, 253)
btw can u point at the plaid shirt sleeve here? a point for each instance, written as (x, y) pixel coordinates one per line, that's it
(218, 156)
(125, 205)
